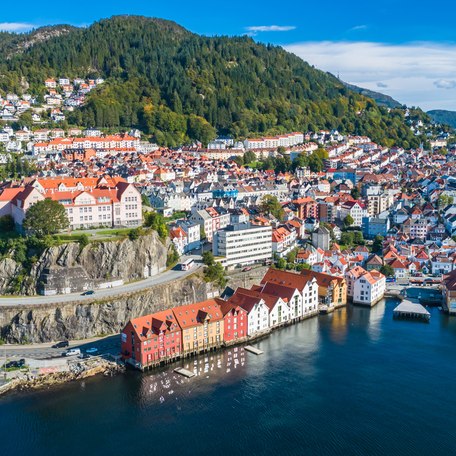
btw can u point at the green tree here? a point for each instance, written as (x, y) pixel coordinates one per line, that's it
(46, 217)
(216, 273)
(281, 263)
(83, 240)
(173, 256)
(270, 205)
(208, 258)
(6, 224)
(249, 157)
(445, 200)
(377, 245)
(157, 222)
(387, 270)
(348, 220)
(355, 193)
(145, 200)
(347, 238)
(291, 256)
(239, 160)
(358, 238)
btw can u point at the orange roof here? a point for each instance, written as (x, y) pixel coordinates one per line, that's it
(285, 278)
(195, 314)
(8, 194)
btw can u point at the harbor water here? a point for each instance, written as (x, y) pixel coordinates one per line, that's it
(355, 382)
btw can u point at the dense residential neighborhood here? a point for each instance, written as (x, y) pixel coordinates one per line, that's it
(318, 201)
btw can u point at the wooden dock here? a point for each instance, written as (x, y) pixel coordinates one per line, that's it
(184, 372)
(253, 350)
(409, 310)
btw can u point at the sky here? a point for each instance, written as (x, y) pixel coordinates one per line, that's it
(403, 48)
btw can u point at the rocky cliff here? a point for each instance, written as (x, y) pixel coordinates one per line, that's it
(80, 320)
(69, 268)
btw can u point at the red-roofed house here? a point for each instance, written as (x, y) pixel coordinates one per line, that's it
(150, 340)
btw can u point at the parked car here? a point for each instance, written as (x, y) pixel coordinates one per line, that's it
(15, 364)
(73, 352)
(88, 293)
(92, 350)
(62, 344)
(248, 268)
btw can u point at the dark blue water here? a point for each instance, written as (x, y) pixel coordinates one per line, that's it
(352, 383)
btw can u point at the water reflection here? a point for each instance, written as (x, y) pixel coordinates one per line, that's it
(339, 325)
(210, 369)
(374, 329)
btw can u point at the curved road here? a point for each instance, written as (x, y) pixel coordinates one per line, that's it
(159, 279)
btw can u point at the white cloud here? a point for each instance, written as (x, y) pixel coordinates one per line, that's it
(270, 28)
(15, 26)
(445, 84)
(409, 70)
(357, 28)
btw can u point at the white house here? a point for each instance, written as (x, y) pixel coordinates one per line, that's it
(257, 311)
(363, 287)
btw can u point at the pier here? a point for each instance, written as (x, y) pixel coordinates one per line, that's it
(253, 350)
(184, 372)
(409, 310)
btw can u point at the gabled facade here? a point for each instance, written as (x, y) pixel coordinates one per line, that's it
(257, 310)
(150, 340)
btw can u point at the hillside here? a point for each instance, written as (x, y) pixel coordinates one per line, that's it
(443, 117)
(178, 86)
(380, 98)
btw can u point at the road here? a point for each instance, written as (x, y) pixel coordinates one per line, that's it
(105, 345)
(140, 285)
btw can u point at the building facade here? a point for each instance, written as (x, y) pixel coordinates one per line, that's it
(243, 244)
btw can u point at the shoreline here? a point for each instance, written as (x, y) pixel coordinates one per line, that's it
(48, 380)
(110, 368)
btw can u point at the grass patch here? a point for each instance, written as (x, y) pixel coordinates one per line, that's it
(115, 232)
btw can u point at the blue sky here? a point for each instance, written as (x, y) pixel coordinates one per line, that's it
(396, 46)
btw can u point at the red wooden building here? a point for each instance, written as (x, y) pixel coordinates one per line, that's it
(151, 340)
(235, 322)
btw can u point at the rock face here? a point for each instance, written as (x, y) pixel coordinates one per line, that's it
(9, 271)
(80, 320)
(68, 268)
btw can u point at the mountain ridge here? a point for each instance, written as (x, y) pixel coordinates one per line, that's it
(178, 86)
(443, 116)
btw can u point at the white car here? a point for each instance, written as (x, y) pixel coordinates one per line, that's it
(73, 352)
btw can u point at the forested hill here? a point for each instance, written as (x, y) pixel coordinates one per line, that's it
(380, 98)
(443, 117)
(178, 86)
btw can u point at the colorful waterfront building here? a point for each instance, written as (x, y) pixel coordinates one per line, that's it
(307, 287)
(257, 311)
(235, 322)
(202, 326)
(151, 340)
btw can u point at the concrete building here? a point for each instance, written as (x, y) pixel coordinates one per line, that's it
(321, 238)
(243, 244)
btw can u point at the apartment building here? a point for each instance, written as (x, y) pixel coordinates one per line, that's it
(243, 244)
(89, 202)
